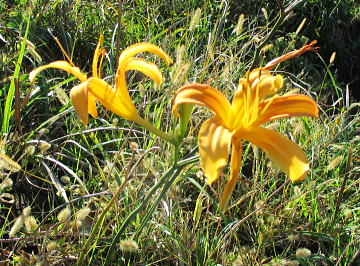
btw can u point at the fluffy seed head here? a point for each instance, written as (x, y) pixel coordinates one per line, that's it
(30, 224)
(82, 213)
(7, 183)
(30, 150)
(26, 211)
(303, 253)
(51, 246)
(16, 226)
(64, 215)
(128, 246)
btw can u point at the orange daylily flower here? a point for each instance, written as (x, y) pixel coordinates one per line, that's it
(116, 100)
(253, 105)
(70, 68)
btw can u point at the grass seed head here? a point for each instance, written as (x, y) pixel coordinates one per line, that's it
(240, 25)
(115, 120)
(128, 246)
(7, 183)
(194, 22)
(7, 163)
(26, 211)
(16, 226)
(64, 215)
(348, 213)
(82, 213)
(44, 131)
(334, 163)
(332, 58)
(284, 262)
(30, 150)
(65, 179)
(51, 246)
(75, 225)
(30, 224)
(303, 253)
(44, 146)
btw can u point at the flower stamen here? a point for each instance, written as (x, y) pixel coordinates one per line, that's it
(64, 52)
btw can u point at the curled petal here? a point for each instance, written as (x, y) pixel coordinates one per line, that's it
(305, 48)
(63, 65)
(214, 147)
(235, 166)
(204, 95)
(79, 99)
(127, 56)
(266, 83)
(286, 154)
(286, 106)
(270, 85)
(99, 52)
(118, 104)
(147, 68)
(258, 84)
(92, 106)
(139, 48)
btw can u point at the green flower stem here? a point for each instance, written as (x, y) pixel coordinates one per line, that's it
(165, 136)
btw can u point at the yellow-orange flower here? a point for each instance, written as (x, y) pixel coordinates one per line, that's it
(253, 105)
(70, 68)
(116, 100)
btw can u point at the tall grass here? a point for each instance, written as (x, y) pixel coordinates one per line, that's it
(145, 209)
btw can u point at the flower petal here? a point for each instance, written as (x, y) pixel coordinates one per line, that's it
(214, 147)
(126, 57)
(79, 99)
(286, 154)
(63, 65)
(287, 56)
(258, 79)
(235, 166)
(98, 52)
(147, 68)
(139, 48)
(107, 96)
(286, 106)
(204, 95)
(92, 106)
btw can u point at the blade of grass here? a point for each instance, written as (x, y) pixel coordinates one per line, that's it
(10, 95)
(342, 188)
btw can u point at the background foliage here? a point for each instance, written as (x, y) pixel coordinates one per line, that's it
(266, 223)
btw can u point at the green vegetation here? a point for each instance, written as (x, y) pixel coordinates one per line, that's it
(110, 191)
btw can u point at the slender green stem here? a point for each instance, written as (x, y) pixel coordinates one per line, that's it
(165, 136)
